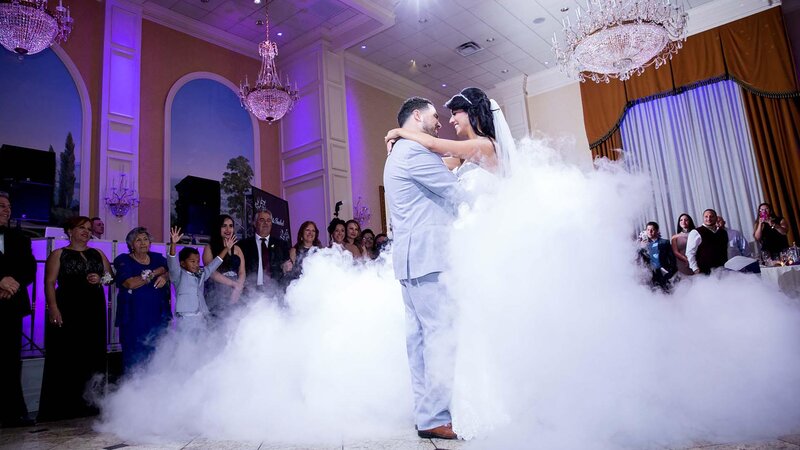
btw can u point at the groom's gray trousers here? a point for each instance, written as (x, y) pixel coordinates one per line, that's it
(431, 348)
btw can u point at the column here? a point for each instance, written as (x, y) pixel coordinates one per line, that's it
(119, 112)
(315, 157)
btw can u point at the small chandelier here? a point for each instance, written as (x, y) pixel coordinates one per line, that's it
(619, 38)
(28, 27)
(121, 199)
(361, 213)
(269, 99)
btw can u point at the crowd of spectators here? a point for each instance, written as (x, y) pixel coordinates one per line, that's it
(694, 250)
(75, 331)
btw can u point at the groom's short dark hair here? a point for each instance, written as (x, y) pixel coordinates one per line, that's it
(409, 106)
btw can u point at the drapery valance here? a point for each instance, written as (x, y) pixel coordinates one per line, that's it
(753, 51)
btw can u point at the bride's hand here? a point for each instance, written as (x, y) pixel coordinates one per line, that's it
(389, 146)
(393, 135)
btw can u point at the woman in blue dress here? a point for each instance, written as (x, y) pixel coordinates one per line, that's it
(143, 302)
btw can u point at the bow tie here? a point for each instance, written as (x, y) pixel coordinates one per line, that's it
(198, 274)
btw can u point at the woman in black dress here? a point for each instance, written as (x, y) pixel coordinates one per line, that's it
(770, 231)
(307, 241)
(75, 335)
(225, 286)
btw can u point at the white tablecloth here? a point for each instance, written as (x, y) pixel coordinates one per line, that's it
(786, 278)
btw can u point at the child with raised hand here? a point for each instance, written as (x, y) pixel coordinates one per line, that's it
(189, 278)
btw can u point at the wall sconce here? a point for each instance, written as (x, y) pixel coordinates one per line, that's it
(361, 213)
(121, 199)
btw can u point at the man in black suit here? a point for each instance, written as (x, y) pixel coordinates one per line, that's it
(17, 271)
(266, 258)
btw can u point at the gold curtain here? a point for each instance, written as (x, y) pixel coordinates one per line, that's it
(755, 53)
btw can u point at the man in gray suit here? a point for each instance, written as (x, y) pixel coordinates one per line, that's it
(422, 196)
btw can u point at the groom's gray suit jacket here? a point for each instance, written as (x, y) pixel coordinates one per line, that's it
(422, 196)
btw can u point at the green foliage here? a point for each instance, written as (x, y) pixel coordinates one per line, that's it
(235, 183)
(66, 174)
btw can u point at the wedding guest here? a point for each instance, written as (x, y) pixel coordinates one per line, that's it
(189, 279)
(678, 241)
(658, 253)
(17, 272)
(707, 245)
(336, 232)
(352, 240)
(143, 300)
(737, 244)
(227, 282)
(381, 242)
(307, 242)
(75, 335)
(266, 258)
(770, 231)
(368, 244)
(98, 228)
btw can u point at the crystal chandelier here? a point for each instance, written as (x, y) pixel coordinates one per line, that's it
(121, 199)
(269, 99)
(619, 38)
(361, 213)
(28, 27)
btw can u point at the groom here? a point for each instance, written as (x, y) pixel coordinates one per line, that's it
(422, 196)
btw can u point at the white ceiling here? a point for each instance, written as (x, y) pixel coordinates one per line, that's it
(426, 31)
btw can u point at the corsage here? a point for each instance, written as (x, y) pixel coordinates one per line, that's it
(107, 279)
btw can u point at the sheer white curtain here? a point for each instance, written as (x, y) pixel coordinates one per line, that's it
(697, 149)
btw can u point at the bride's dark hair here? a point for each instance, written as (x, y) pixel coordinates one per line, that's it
(475, 103)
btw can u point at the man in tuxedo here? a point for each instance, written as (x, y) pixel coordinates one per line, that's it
(266, 258)
(422, 196)
(17, 271)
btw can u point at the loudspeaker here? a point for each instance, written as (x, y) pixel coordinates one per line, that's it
(27, 164)
(198, 205)
(29, 201)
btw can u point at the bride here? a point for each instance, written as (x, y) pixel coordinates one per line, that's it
(485, 139)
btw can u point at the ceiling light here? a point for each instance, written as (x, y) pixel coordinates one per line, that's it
(363, 46)
(491, 39)
(423, 20)
(504, 71)
(427, 65)
(257, 2)
(619, 39)
(444, 84)
(28, 27)
(269, 99)
(538, 20)
(279, 33)
(565, 9)
(259, 22)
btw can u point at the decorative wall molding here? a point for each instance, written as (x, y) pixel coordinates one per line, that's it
(195, 28)
(376, 76)
(173, 91)
(374, 18)
(315, 158)
(119, 109)
(719, 12)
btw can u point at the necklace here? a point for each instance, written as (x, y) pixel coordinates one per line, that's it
(143, 261)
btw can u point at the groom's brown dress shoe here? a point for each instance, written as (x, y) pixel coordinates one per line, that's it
(440, 432)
